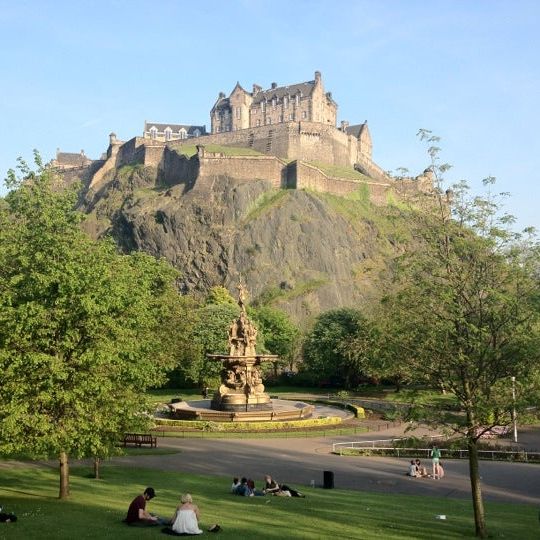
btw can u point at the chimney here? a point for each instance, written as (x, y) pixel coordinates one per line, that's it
(221, 95)
(344, 126)
(82, 153)
(256, 88)
(112, 137)
(317, 76)
(274, 85)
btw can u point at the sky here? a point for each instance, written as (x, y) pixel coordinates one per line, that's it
(469, 71)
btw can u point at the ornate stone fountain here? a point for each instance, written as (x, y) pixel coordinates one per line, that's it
(241, 396)
(242, 388)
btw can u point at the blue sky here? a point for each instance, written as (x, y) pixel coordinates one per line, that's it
(72, 72)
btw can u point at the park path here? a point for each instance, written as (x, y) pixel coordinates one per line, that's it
(298, 461)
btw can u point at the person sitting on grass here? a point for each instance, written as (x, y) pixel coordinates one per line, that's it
(281, 490)
(234, 485)
(186, 518)
(243, 489)
(412, 469)
(137, 514)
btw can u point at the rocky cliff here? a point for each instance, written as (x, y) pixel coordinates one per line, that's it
(302, 251)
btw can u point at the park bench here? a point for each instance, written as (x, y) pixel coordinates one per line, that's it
(139, 439)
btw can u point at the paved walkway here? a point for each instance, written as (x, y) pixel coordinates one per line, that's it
(299, 461)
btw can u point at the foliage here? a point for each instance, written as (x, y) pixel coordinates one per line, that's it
(281, 335)
(219, 295)
(210, 335)
(249, 426)
(83, 330)
(327, 350)
(99, 507)
(465, 315)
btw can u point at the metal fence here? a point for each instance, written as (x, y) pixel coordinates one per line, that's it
(383, 448)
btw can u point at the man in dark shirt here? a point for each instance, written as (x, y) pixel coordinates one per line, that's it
(137, 514)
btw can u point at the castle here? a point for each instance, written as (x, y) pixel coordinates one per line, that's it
(286, 134)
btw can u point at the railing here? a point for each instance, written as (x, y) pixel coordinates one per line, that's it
(361, 447)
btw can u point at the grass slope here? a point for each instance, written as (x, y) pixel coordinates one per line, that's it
(97, 507)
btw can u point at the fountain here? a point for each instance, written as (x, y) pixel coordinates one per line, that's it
(241, 395)
(242, 388)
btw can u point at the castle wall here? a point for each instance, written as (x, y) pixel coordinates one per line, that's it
(177, 169)
(310, 177)
(308, 141)
(269, 168)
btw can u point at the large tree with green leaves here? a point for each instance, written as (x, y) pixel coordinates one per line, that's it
(83, 330)
(465, 315)
(327, 350)
(281, 336)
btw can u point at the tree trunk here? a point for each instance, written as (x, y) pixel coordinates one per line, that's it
(476, 489)
(64, 476)
(97, 462)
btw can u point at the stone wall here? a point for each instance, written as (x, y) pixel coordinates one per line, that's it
(308, 141)
(307, 176)
(269, 168)
(174, 168)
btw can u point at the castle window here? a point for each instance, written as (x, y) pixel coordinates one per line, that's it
(153, 132)
(286, 102)
(262, 107)
(281, 118)
(237, 112)
(258, 122)
(291, 116)
(297, 98)
(268, 120)
(304, 115)
(273, 103)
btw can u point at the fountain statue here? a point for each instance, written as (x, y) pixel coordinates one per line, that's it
(242, 388)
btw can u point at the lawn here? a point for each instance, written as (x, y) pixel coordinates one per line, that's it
(97, 507)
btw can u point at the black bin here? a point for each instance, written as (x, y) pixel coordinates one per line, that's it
(328, 479)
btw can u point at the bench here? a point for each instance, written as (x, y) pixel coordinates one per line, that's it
(139, 439)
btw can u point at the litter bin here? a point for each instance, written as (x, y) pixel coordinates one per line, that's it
(328, 479)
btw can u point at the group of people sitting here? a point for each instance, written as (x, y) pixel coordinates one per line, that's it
(185, 520)
(245, 487)
(417, 470)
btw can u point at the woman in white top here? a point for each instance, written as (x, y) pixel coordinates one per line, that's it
(186, 518)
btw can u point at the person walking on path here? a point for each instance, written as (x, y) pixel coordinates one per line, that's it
(435, 455)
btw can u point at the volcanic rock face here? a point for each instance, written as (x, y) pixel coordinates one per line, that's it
(302, 251)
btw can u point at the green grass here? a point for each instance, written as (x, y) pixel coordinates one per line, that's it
(340, 172)
(96, 508)
(190, 150)
(268, 200)
(273, 294)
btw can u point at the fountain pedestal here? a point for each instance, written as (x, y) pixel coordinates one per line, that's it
(242, 388)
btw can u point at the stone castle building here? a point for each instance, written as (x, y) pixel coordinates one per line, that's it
(287, 135)
(305, 101)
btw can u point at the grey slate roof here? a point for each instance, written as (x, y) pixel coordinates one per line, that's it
(304, 88)
(356, 129)
(174, 127)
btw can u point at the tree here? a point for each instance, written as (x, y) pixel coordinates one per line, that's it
(465, 314)
(326, 348)
(219, 295)
(82, 328)
(211, 336)
(280, 334)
